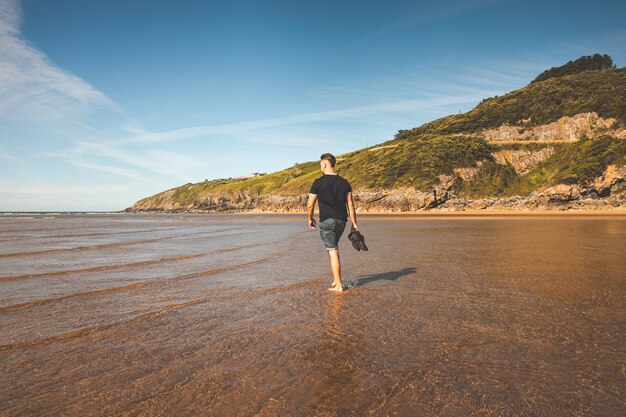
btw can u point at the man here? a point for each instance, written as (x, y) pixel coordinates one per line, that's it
(333, 194)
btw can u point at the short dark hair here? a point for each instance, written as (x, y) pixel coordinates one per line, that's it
(330, 158)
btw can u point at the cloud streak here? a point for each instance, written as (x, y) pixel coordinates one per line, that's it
(5, 155)
(54, 190)
(436, 11)
(31, 86)
(346, 113)
(170, 164)
(108, 169)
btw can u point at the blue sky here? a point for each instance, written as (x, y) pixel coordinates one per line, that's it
(105, 102)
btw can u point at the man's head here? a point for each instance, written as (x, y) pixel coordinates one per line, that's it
(327, 162)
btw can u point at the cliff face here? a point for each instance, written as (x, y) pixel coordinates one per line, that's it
(563, 130)
(522, 160)
(607, 191)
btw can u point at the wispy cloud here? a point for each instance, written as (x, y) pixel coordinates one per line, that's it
(612, 42)
(436, 85)
(55, 190)
(421, 92)
(321, 116)
(5, 155)
(170, 164)
(442, 10)
(430, 11)
(109, 169)
(31, 86)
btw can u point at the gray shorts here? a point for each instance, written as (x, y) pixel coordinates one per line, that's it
(330, 231)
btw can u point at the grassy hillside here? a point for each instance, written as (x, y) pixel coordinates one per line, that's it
(542, 102)
(572, 163)
(416, 158)
(291, 181)
(413, 163)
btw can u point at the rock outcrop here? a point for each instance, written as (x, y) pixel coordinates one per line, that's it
(607, 192)
(466, 174)
(522, 160)
(566, 129)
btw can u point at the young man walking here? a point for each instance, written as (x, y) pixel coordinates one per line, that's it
(334, 196)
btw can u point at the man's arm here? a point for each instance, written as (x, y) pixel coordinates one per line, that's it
(310, 207)
(352, 211)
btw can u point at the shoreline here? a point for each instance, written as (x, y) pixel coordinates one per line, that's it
(485, 214)
(423, 215)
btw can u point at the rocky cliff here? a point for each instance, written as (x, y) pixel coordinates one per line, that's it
(565, 129)
(606, 192)
(523, 160)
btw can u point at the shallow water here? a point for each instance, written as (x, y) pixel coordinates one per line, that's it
(229, 315)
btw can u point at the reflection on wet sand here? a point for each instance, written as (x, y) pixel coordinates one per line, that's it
(229, 315)
(335, 377)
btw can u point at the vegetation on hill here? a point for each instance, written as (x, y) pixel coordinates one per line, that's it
(542, 102)
(578, 162)
(413, 163)
(291, 181)
(416, 158)
(584, 63)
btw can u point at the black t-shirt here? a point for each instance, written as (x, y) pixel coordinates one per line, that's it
(331, 193)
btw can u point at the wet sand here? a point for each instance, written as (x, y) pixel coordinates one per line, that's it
(500, 314)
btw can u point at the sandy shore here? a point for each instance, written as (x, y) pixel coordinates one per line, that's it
(229, 315)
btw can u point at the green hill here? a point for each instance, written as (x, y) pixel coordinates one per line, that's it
(579, 108)
(542, 102)
(582, 64)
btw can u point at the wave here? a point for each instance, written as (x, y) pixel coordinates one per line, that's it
(110, 245)
(121, 266)
(97, 328)
(88, 330)
(135, 285)
(12, 238)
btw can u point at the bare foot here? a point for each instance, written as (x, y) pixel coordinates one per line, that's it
(333, 284)
(336, 288)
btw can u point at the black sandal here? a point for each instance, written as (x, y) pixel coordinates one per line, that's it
(358, 240)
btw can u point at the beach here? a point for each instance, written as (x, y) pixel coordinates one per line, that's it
(468, 314)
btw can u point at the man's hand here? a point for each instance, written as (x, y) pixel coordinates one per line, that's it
(352, 212)
(310, 208)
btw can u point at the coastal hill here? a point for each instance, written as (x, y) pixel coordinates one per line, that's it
(558, 143)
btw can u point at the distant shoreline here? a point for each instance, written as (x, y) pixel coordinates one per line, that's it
(618, 212)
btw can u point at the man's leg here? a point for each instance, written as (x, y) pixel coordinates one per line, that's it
(335, 267)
